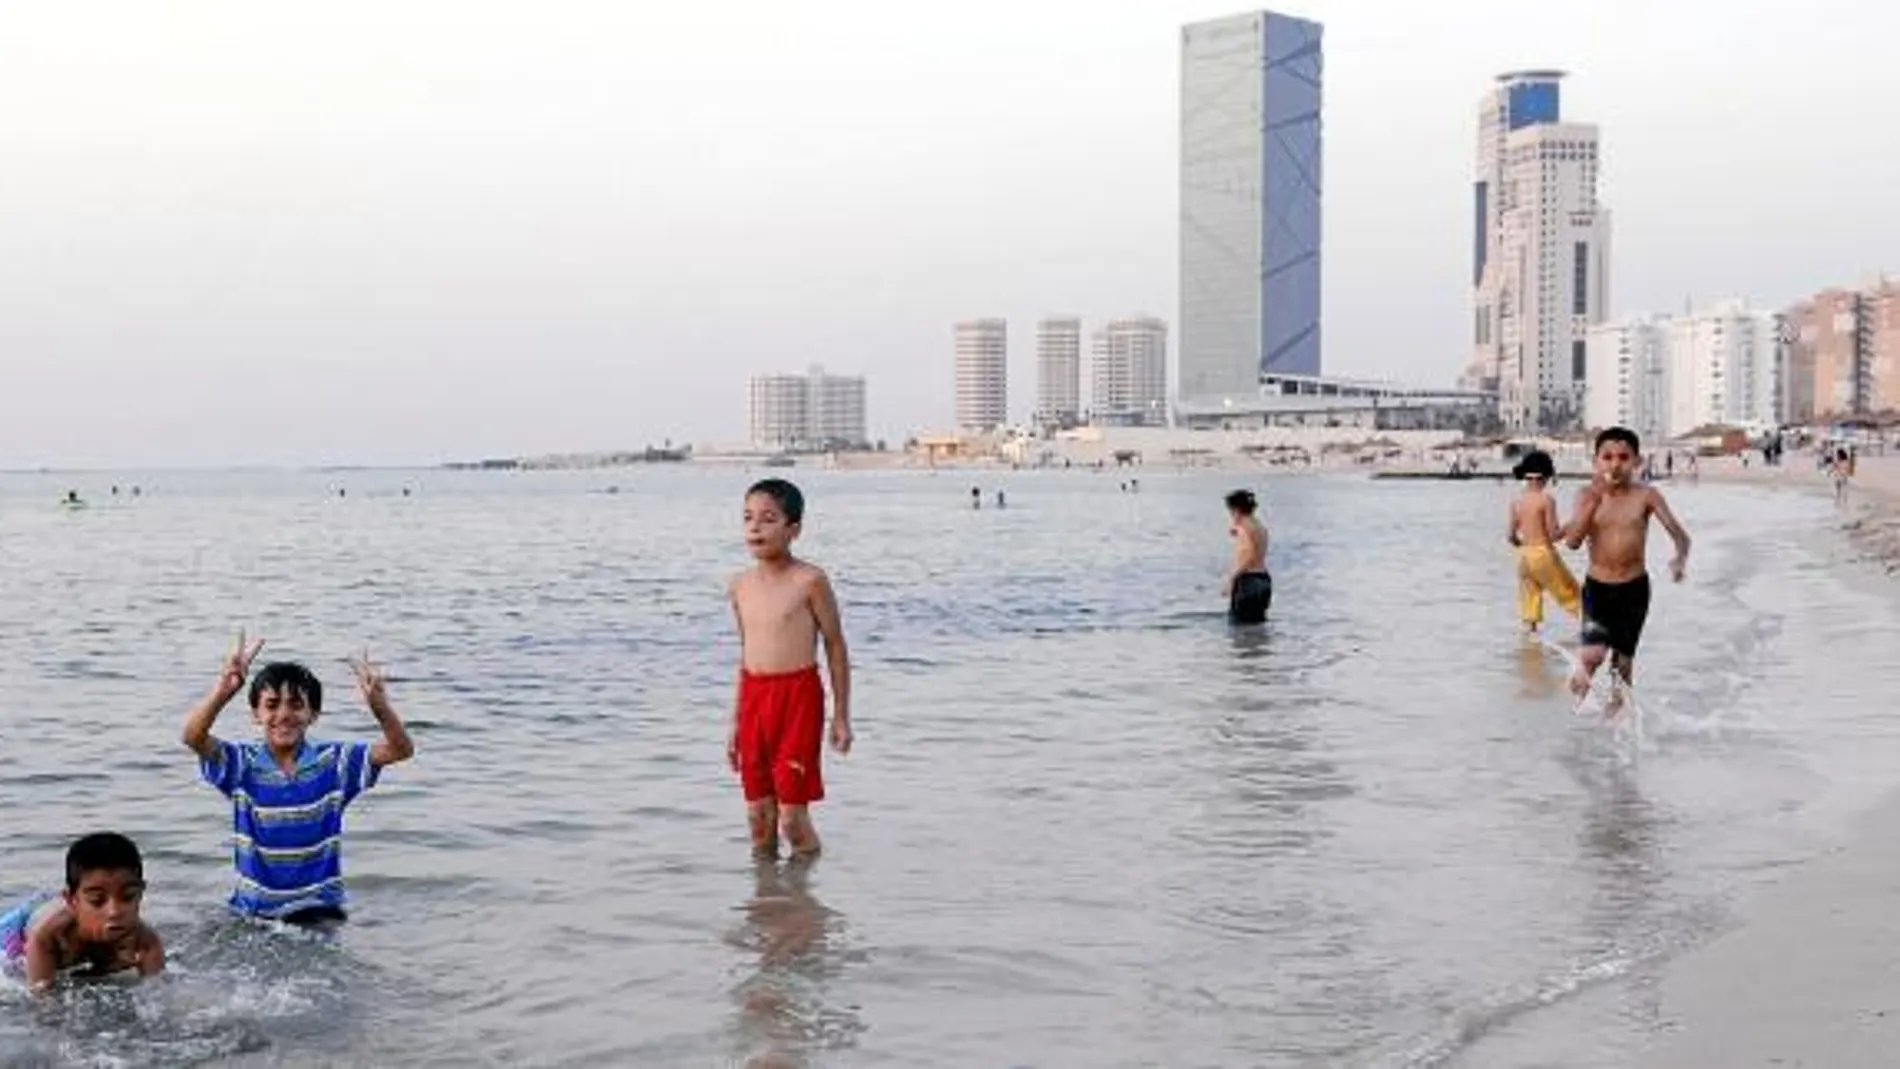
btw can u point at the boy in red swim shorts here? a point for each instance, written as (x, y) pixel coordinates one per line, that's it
(783, 606)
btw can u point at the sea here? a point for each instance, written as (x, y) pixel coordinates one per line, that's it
(1085, 822)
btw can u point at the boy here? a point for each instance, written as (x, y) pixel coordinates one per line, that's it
(1614, 515)
(289, 793)
(1531, 525)
(1248, 586)
(91, 930)
(783, 606)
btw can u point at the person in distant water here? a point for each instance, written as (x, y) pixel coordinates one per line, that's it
(288, 792)
(783, 607)
(1613, 514)
(1531, 525)
(91, 930)
(1248, 587)
(976, 497)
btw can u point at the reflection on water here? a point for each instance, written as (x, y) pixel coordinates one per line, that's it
(785, 1014)
(1087, 822)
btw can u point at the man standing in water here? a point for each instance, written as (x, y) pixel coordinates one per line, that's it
(1248, 587)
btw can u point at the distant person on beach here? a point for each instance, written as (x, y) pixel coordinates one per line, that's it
(1843, 470)
(1531, 525)
(288, 792)
(1613, 515)
(93, 928)
(784, 607)
(1248, 586)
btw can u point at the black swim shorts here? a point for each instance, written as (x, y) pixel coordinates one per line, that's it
(1614, 613)
(1250, 598)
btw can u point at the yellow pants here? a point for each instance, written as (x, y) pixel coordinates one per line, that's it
(1541, 571)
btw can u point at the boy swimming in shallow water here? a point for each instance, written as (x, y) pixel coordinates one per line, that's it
(93, 929)
(784, 607)
(1613, 514)
(288, 793)
(1531, 525)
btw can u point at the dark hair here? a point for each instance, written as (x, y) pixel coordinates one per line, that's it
(783, 494)
(1535, 463)
(291, 677)
(1618, 434)
(1242, 501)
(105, 851)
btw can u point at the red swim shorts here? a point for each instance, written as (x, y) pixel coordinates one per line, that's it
(781, 736)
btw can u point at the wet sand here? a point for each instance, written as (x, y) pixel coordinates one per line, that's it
(1811, 977)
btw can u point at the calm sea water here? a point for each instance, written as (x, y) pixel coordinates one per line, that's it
(1085, 824)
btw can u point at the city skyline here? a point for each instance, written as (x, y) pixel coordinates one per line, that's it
(479, 250)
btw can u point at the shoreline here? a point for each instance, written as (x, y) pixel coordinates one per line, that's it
(1810, 975)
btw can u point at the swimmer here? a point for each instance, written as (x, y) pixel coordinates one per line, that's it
(783, 608)
(1613, 515)
(288, 792)
(1531, 525)
(1249, 586)
(93, 928)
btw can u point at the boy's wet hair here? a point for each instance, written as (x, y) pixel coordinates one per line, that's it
(290, 678)
(1242, 501)
(1537, 464)
(1618, 434)
(104, 851)
(787, 497)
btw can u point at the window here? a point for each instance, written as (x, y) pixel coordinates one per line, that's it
(1576, 360)
(1580, 279)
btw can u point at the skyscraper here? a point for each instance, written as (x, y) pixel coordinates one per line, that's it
(1540, 270)
(1129, 376)
(982, 374)
(1250, 204)
(1058, 372)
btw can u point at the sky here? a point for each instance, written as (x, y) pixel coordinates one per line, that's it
(414, 231)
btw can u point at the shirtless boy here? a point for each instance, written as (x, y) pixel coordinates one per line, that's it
(1248, 586)
(1531, 525)
(783, 607)
(1613, 514)
(93, 929)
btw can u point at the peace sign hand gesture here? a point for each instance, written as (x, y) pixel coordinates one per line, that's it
(237, 667)
(369, 680)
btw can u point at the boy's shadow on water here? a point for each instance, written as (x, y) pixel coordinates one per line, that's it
(783, 1013)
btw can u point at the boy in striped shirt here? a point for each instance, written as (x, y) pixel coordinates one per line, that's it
(289, 792)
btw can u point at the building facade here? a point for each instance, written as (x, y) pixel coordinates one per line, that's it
(1667, 376)
(1249, 204)
(809, 412)
(1059, 373)
(1540, 274)
(982, 375)
(1845, 344)
(1129, 373)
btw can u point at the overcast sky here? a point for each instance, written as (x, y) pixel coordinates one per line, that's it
(407, 232)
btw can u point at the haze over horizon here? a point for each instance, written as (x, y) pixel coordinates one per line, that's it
(392, 234)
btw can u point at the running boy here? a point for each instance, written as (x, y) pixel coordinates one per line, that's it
(1613, 514)
(289, 793)
(783, 607)
(92, 929)
(1248, 586)
(1531, 525)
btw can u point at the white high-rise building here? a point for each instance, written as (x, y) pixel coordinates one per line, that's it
(1664, 377)
(1059, 372)
(1541, 253)
(1250, 155)
(809, 411)
(1627, 376)
(982, 374)
(778, 410)
(1129, 373)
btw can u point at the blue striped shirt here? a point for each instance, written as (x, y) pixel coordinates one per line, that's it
(289, 827)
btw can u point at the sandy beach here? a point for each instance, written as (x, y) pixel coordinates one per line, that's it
(1811, 977)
